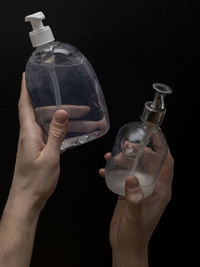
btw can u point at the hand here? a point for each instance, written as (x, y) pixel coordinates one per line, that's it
(35, 178)
(37, 164)
(135, 218)
(150, 158)
(75, 115)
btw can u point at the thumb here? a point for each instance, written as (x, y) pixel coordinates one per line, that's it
(57, 130)
(134, 196)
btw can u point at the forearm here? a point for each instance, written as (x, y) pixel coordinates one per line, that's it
(130, 259)
(17, 232)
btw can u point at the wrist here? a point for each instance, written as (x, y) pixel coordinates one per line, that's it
(25, 197)
(22, 208)
(131, 257)
(23, 205)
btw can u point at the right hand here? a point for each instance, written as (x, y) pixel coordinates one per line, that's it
(38, 162)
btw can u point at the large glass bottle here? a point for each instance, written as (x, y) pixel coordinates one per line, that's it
(140, 148)
(58, 76)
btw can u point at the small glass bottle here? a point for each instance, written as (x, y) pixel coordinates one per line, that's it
(58, 76)
(140, 148)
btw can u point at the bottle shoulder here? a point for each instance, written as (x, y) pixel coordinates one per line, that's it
(56, 53)
(136, 130)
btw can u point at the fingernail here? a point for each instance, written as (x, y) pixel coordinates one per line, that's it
(132, 186)
(60, 117)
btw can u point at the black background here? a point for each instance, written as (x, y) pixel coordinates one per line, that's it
(130, 44)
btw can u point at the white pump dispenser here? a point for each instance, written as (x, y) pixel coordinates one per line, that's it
(58, 76)
(41, 34)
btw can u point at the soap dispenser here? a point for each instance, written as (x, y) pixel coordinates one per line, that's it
(58, 76)
(140, 147)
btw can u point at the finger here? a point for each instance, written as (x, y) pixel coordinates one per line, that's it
(157, 142)
(26, 113)
(102, 172)
(74, 112)
(134, 195)
(129, 148)
(107, 156)
(167, 172)
(57, 131)
(86, 126)
(124, 161)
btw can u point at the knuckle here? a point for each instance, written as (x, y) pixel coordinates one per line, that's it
(55, 134)
(136, 199)
(20, 104)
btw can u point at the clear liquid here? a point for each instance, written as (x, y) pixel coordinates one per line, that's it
(139, 150)
(74, 88)
(115, 181)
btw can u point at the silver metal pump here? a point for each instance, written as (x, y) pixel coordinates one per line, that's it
(154, 112)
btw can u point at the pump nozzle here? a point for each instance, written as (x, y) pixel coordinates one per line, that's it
(154, 112)
(41, 34)
(36, 20)
(161, 91)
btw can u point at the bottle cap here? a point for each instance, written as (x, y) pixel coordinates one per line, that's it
(41, 34)
(154, 112)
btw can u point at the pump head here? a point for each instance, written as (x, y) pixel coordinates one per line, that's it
(154, 112)
(41, 34)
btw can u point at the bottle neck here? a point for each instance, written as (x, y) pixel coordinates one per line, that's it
(45, 46)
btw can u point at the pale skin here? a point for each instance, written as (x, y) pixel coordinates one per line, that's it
(35, 179)
(135, 218)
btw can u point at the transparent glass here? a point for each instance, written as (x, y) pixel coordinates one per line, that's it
(58, 76)
(139, 150)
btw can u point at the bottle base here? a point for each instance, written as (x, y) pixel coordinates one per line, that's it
(120, 190)
(80, 140)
